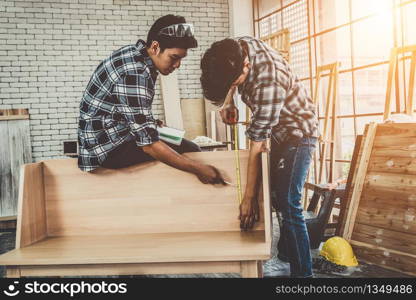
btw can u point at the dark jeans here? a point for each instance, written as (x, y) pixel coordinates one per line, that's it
(289, 166)
(129, 154)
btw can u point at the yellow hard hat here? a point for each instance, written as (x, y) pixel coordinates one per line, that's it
(339, 251)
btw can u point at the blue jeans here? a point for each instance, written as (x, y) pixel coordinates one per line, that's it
(289, 164)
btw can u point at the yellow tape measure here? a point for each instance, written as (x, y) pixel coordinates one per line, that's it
(237, 164)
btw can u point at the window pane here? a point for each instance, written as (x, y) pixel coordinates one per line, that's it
(299, 59)
(286, 2)
(295, 18)
(268, 6)
(345, 99)
(322, 96)
(370, 89)
(270, 25)
(362, 8)
(373, 40)
(409, 15)
(307, 84)
(335, 46)
(342, 169)
(362, 121)
(330, 13)
(347, 138)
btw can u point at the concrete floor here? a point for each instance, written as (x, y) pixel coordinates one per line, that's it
(271, 268)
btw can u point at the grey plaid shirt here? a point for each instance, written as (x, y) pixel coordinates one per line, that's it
(116, 105)
(279, 102)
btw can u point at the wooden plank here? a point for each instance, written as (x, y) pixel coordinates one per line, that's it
(14, 152)
(20, 153)
(279, 41)
(388, 218)
(367, 145)
(171, 100)
(142, 248)
(350, 183)
(250, 269)
(403, 141)
(214, 122)
(13, 272)
(411, 48)
(389, 201)
(385, 258)
(266, 197)
(388, 197)
(260, 269)
(141, 208)
(396, 129)
(31, 213)
(388, 181)
(17, 117)
(7, 201)
(385, 238)
(193, 115)
(395, 151)
(9, 218)
(394, 165)
(14, 114)
(392, 69)
(333, 124)
(327, 139)
(385, 225)
(410, 101)
(132, 269)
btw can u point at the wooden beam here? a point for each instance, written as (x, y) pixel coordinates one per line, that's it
(266, 197)
(13, 272)
(359, 181)
(392, 68)
(14, 114)
(31, 211)
(250, 269)
(350, 183)
(410, 102)
(132, 269)
(386, 258)
(171, 100)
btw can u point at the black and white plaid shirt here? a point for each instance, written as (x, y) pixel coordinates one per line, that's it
(116, 105)
(279, 102)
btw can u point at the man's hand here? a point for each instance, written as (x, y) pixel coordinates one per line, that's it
(209, 175)
(205, 173)
(160, 123)
(249, 213)
(229, 114)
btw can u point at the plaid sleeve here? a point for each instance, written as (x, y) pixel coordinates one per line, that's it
(267, 99)
(135, 94)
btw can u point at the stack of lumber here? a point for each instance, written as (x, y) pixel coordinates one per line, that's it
(380, 216)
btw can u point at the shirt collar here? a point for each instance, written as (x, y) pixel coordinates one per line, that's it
(251, 58)
(141, 48)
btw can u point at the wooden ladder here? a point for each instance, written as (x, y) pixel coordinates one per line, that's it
(330, 105)
(394, 57)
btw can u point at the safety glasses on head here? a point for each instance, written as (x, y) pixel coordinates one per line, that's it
(178, 30)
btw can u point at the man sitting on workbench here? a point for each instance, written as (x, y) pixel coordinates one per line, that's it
(116, 125)
(282, 110)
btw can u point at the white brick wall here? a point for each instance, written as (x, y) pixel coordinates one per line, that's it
(49, 48)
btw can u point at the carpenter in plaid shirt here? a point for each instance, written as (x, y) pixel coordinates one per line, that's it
(116, 125)
(281, 109)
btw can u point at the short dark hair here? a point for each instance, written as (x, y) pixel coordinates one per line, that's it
(221, 65)
(169, 41)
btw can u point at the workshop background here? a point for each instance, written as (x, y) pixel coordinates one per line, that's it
(49, 49)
